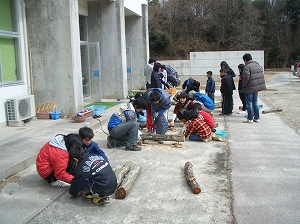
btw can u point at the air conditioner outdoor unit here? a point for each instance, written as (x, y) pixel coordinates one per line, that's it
(20, 108)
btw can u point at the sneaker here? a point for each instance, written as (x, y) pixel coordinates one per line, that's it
(242, 112)
(101, 200)
(132, 148)
(110, 142)
(88, 197)
(248, 121)
(60, 183)
(257, 121)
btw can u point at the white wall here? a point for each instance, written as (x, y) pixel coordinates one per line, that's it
(201, 62)
(134, 6)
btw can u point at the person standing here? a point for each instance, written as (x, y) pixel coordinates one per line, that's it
(227, 87)
(229, 70)
(164, 75)
(210, 86)
(253, 81)
(147, 72)
(240, 88)
(156, 81)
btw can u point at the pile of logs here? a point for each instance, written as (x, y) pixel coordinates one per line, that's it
(126, 177)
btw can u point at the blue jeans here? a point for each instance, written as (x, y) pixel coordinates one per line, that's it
(125, 133)
(195, 137)
(252, 106)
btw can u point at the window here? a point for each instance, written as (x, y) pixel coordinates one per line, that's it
(10, 71)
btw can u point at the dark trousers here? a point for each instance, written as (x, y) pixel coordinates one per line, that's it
(148, 86)
(243, 99)
(227, 105)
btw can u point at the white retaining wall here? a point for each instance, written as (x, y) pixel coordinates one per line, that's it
(201, 62)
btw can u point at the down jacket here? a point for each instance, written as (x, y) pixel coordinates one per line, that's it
(54, 156)
(253, 78)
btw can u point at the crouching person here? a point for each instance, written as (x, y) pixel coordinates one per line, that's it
(123, 126)
(197, 129)
(52, 161)
(92, 175)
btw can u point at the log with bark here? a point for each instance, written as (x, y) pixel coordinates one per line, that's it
(128, 181)
(189, 176)
(120, 173)
(159, 137)
(276, 109)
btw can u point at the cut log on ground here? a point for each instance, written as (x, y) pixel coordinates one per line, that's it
(276, 109)
(120, 173)
(159, 137)
(128, 181)
(189, 176)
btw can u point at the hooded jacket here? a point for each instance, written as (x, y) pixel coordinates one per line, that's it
(126, 112)
(54, 157)
(253, 78)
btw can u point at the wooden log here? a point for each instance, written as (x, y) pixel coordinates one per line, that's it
(128, 181)
(159, 137)
(276, 109)
(189, 176)
(120, 173)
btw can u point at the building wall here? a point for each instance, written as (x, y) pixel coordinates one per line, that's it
(53, 40)
(106, 25)
(137, 39)
(52, 57)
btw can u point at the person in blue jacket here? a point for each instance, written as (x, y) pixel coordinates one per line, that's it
(159, 103)
(210, 86)
(92, 175)
(206, 102)
(123, 126)
(86, 134)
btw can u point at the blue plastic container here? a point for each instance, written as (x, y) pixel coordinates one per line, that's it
(97, 110)
(54, 115)
(221, 133)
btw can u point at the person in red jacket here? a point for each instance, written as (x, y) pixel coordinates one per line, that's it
(209, 120)
(52, 162)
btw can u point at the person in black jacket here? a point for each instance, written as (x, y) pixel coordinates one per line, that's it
(155, 77)
(227, 87)
(229, 70)
(92, 174)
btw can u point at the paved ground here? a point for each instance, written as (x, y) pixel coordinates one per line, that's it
(253, 177)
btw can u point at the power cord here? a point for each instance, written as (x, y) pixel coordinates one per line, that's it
(101, 126)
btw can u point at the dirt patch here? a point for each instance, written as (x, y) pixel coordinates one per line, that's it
(12, 179)
(285, 97)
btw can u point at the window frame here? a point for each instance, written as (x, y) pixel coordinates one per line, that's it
(18, 45)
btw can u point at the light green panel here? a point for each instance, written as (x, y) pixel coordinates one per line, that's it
(8, 59)
(6, 21)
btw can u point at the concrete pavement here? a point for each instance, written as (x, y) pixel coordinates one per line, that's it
(253, 177)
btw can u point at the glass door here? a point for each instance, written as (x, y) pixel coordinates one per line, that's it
(90, 64)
